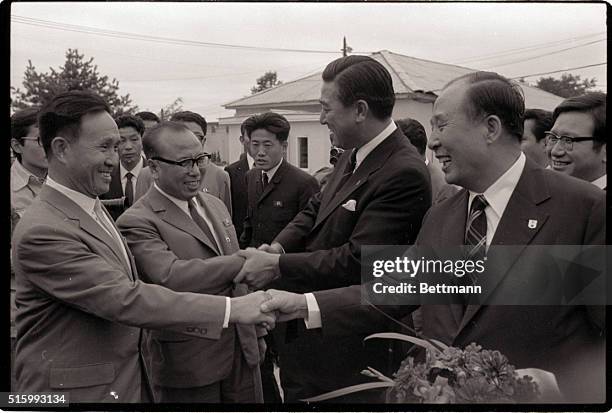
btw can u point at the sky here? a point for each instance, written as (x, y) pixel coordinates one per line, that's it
(189, 50)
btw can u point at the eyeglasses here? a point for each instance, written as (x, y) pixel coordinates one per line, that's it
(567, 142)
(32, 138)
(200, 161)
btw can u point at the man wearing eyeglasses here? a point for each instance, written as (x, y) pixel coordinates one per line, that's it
(183, 238)
(29, 171)
(576, 144)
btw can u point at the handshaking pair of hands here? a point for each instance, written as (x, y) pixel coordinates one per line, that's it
(260, 266)
(267, 307)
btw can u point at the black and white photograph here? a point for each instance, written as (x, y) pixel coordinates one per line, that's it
(297, 206)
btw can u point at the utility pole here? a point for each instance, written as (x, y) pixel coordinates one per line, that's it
(345, 49)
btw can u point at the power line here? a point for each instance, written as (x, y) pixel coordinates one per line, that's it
(155, 39)
(548, 54)
(562, 70)
(520, 49)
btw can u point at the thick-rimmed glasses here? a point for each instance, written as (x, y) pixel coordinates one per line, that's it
(32, 138)
(567, 142)
(200, 161)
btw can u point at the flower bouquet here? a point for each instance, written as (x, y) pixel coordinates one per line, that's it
(452, 375)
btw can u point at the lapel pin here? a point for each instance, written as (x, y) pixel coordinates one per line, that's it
(205, 190)
(532, 223)
(229, 241)
(226, 222)
(278, 204)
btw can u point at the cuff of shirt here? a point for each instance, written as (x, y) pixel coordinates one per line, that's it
(314, 313)
(228, 309)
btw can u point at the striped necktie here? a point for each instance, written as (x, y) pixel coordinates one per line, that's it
(476, 229)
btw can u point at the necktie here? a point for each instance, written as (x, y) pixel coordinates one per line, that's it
(197, 218)
(350, 168)
(105, 224)
(476, 229)
(265, 179)
(129, 190)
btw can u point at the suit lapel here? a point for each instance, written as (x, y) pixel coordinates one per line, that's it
(173, 215)
(74, 212)
(276, 179)
(228, 246)
(513, 231)
(334, 196)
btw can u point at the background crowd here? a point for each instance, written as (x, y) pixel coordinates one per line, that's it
(143, 272)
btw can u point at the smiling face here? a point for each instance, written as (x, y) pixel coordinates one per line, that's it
(340, 119)
(130, 147)
(267, 150)
(583, 161)
(90, 158)
(181, 183)
(458, 142)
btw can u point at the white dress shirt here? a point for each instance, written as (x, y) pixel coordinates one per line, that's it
(135, 171)
(250, 160)
(601, 182)
(183, 206)
(272, 171)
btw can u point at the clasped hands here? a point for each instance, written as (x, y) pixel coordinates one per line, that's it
(260, 266)
(267, 307)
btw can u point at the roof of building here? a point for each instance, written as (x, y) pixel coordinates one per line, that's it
(410, 75)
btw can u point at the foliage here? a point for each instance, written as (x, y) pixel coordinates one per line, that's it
(569, 85)
(76, 74)
(267, 81)
(167, 111)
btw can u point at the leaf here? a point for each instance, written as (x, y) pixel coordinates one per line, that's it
(404, 337)
(348, 390)
(380, 375)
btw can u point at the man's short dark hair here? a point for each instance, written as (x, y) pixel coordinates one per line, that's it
(129, 121)
(146, 115)
(62, 115)
(188, 116)
(542, 122)
(150, 140)
(361, 77)
(270, 121)
(415, 132)
(21, 121)
(492, 94)
(593, 103)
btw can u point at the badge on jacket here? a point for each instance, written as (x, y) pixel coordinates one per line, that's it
(278, 204)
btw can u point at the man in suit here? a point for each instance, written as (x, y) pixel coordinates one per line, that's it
(277, 190)
(576, 144)
(237, 173)
(149, 119)
(216, 181)
(80, 303)
(415, 132)
(121, 194)
(171, 249)
(377, 194)
(533, 144)
(476, 131)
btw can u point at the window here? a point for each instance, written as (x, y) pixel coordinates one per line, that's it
(303, 152)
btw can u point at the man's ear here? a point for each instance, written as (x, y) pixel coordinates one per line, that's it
(154, 167)
(16, 146)
(60, 147)
(361, 110)
(494, 128)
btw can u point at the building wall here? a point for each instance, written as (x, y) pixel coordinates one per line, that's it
(217, 140)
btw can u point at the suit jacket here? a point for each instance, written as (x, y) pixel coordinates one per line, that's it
(271, 208)
(80, 307)
(170, 250)
(383, 202)
(567, 340)
(216, 182)
(237, 173)
(115, 193)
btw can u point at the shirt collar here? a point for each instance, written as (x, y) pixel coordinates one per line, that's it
(601, 182)
(135, 171)
(250, 160)
(498, 194)
(85, 202)
(272, 171)
(20, 175)
(183, 205)
(366, 149)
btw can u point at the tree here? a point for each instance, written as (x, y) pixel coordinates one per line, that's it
(76, 74)
(167, 111)
(267, 81)
(569, 85)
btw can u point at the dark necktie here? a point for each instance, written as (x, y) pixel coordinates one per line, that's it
(129, 190)
(265, 179)
(476, 229)
(197, 218)
(350, 168)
